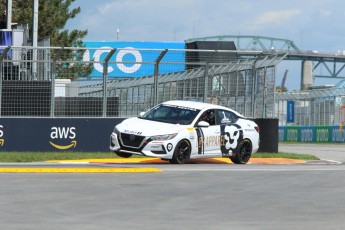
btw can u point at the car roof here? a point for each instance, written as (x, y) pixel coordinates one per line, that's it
(199, 105)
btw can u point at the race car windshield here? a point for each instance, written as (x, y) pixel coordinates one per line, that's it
(171, 114)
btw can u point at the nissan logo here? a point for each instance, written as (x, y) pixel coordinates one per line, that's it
(132, 137)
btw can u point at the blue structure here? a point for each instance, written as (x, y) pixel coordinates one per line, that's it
(312, 134)
(128, 62)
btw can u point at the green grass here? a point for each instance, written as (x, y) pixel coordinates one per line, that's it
(286, 155)
(45, 156)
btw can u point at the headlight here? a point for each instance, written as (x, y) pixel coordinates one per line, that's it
(163, 137)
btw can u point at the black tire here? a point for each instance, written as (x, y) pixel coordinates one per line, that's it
(181, 152)
(243, 152)
(124, 155)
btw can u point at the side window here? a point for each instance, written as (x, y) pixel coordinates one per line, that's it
(208, 116)
(226, 117)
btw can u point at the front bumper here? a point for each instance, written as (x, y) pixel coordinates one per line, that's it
(146, 147)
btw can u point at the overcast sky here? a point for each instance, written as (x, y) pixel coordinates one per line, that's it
(312, 25)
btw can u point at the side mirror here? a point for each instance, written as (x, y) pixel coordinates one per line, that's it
(203, 124)
(141, 114)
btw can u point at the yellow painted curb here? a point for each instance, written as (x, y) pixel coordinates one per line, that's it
(79, 170)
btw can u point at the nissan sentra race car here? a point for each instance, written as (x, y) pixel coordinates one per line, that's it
(181, 130)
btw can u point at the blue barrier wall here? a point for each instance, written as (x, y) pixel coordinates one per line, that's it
(86, 134)
(312, 134)
(56, 134)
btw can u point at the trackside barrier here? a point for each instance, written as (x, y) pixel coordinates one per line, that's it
(312, 134)
(86, 134)
(268, 134)
(56, 134)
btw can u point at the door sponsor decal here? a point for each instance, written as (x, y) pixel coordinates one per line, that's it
(228, 140)
(233, 135)
(201, 143)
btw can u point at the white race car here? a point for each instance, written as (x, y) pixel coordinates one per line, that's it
(182, 130)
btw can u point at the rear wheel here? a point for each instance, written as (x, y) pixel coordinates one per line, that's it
(124, 155)
(243, 152)
(181, 153)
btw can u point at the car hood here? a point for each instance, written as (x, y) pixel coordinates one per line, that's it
(144, 127)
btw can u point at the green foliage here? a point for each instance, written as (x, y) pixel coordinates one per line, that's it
(70, 64)
(46, 156)
(281, 89)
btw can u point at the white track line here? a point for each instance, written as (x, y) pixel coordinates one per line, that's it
(333, 161)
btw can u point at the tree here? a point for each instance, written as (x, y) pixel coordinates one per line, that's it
(52, 18)
(280, 89)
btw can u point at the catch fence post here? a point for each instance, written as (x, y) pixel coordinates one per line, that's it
(105, 80)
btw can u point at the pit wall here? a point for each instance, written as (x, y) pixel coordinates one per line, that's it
(312, 134)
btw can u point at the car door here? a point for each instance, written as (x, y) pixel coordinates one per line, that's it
(231, 133)
(209, 137)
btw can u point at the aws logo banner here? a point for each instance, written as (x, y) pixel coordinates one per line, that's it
(56, 134)
(63, 138)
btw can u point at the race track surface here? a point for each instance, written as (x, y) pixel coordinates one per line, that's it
(199, 195)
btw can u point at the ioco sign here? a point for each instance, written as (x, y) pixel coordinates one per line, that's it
(133, 59)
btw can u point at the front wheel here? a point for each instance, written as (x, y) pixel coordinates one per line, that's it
(181, 153)
(124, 155)
(243, 153)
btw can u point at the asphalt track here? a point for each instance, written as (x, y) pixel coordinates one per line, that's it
(333, 152)
(121, 165)
(199, 195)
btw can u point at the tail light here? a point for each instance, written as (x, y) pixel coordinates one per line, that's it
(257, 128)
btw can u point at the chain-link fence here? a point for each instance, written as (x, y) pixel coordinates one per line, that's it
(313, 107)
(80, 82)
